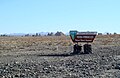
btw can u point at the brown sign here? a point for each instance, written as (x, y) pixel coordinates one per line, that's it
(84, 37)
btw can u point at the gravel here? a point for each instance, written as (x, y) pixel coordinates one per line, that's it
(103, 63)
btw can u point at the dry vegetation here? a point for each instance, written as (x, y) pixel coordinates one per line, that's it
(107, 40)
(16, 43)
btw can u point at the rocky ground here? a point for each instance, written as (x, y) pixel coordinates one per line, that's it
(42, 58)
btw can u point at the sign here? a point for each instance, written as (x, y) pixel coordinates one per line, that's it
(73, 34)
(82, 36)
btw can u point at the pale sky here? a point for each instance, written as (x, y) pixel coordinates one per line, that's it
(30, 16)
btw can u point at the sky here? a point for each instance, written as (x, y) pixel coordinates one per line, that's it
(30, 16)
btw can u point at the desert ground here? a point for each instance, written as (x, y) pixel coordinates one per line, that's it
(48, 57)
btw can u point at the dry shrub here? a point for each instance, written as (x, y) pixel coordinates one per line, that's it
(10, 43)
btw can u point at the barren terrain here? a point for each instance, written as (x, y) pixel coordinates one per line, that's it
(49, 57)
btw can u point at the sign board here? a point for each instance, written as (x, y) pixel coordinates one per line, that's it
(82, 36)
(73, 34)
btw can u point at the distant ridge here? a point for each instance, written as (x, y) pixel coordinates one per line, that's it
(35, 34)
(23, 34)
(59, 34)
